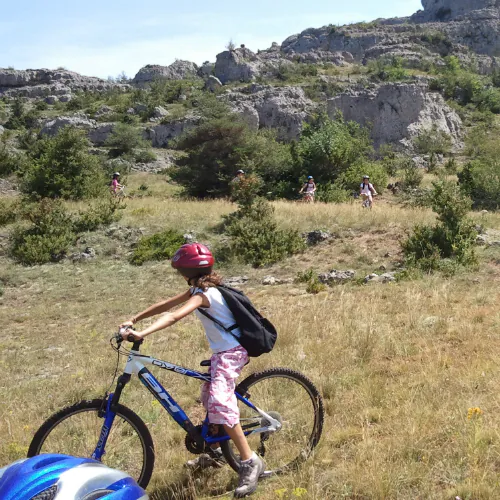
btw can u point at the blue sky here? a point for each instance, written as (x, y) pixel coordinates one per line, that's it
(105, 37)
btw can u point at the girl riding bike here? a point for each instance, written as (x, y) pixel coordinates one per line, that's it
(195, 262)
(309, 190)
(367, 192)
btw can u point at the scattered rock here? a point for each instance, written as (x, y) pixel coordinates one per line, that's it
(271, 280)
(189, 237)
(334, 277)
(430, 321)
(236, 280)
(2, 130)
(160, 112)
(87, 254)
(103, 111)
(140, 108)
(383, 278)
(124, 233)
(65, 98)
(317, 236)
(481, 239)
(51, 99)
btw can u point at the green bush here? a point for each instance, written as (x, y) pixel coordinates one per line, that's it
(47, 239)
(9, 211)
(388, 69)
(254, 236)
(433, 141)
(480, 180)
(327, 148)
(332, 193)
(62, 167)
(10, 161)
(145, 156)
(125, 140)
(159, 246)
(218, 148)
(453, 238)
(101, 213)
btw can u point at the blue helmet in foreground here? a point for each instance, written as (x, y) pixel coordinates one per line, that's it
(60, 477)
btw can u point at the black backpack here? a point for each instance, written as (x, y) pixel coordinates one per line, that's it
(258, 334)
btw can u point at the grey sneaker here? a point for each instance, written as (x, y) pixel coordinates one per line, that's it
(249, 477)
(206, 461)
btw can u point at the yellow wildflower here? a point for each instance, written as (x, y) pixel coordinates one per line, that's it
(475, 412)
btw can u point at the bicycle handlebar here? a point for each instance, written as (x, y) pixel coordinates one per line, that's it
(130, 338)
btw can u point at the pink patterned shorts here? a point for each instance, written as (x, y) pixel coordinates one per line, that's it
(218, 396)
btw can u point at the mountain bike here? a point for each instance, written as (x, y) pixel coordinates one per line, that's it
(281, 413)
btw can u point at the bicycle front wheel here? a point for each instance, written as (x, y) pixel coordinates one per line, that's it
(289, 397)
(75, 431)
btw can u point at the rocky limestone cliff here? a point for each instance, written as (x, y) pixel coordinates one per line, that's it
(36, 83)
(179, 70)
(445, 10)
(282, 108)
(398, 112)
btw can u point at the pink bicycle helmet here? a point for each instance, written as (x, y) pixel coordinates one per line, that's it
(193, 259)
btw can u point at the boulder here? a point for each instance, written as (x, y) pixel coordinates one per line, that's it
(2, 130)
(161, 135)
(52, 127)
(179, 70)
(99, 134)
(236, 280)
(282, 108)
(103, 111)
(160, 112)
(398, 112)
(212, 83)
(383, 278)
(51, 99)
(317, 236)
(207, 69)
(239, 65)
(65, 98)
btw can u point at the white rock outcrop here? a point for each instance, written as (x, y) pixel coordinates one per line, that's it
(179, 70)
(282, 108)
(239, 65)
(162, 135)
(397, 112)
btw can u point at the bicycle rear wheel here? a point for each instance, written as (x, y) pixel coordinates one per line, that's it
(75, 431)
(291, 398)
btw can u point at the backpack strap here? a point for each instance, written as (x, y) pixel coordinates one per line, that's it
(217, 322)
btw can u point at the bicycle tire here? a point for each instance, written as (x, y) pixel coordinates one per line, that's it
(122, 412)
(317, 417)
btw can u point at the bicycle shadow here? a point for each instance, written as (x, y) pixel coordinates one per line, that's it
(188, 487)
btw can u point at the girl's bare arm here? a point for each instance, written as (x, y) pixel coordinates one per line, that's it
(169, 319)
(160, 308)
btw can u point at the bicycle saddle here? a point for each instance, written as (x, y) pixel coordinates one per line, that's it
(205, 362)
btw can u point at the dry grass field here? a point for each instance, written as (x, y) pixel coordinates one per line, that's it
(410, 371)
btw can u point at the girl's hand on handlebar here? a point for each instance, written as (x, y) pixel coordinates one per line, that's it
(127, 324)
(128, 333)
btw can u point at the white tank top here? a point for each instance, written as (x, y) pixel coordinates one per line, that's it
(310, 187)
(218, 338)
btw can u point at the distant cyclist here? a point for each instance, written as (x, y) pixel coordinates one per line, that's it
(240, 175)
(309, 190)
(115, 183)
(367, 192)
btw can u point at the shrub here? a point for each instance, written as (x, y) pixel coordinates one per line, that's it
(480, 180)
(48, 237)
(254, 236)
(332, 193)
(411, 176)
(352, 178)
(102, 213)
(10, 161)
(452, 238)
(125, 139)
(145, 156)
(433, 141)
(388, 69)
(159, 246)
(9, 211)
(62, 167)
(218, 148)
(327, 148)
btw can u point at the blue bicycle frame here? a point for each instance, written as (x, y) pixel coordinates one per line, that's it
(135, 365)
